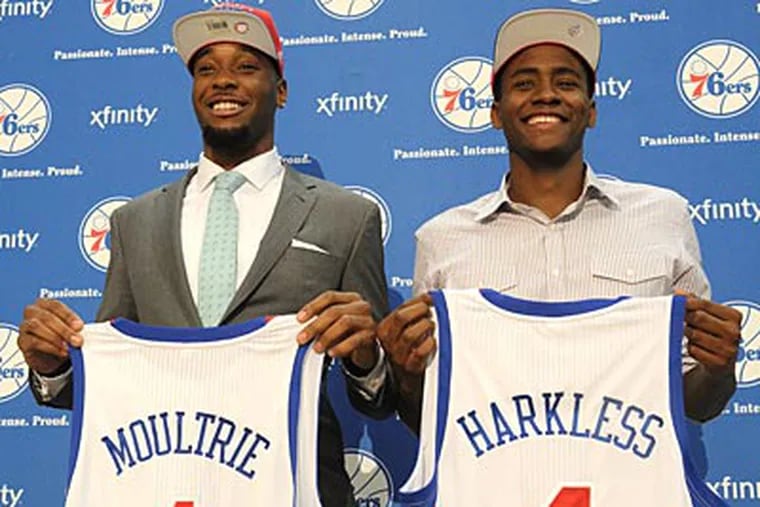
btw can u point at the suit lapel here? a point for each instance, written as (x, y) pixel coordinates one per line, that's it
(168, 244)
(295, 202)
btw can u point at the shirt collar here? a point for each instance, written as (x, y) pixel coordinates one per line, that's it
(258, 170)
(593, 188)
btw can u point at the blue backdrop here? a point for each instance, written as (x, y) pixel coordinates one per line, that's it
(390, 98)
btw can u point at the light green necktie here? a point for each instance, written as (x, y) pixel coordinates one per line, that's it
(218, 267)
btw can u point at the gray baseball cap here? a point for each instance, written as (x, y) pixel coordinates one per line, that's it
(574, 30)
(228, 22)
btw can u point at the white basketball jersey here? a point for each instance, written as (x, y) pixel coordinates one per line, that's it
(576, 404)
(216, 417)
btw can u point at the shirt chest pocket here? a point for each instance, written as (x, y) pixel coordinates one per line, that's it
(631, 275)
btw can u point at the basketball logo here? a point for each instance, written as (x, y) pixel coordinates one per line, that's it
(348, 10)
(369, 477)
(748, 359)
(385, 211)
(125, 17)
(14, 373)
(25, 118)
(461, 94)
(719, 79)
(94, 232)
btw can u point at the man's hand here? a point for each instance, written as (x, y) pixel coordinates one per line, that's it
(406, 334)
(47, 330)
(344, 327)
(714, 333)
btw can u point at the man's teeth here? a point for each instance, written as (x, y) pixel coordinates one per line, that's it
(226, 106)
(534, 120)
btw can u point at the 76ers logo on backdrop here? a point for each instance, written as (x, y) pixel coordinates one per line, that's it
(461, 94)
(370, 479)
(719, 79)
(95, 232)
(24, 119)
(748, 360)
(125, 17)
(348, 9)
(14, 373)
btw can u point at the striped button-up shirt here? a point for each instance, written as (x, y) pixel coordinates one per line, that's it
(618, 238)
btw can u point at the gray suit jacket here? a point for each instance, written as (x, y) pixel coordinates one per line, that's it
(147, 283)
(146, 279)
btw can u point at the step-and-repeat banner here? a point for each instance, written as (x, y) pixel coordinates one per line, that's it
(390, 98)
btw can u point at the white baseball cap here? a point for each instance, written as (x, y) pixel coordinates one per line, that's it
(228, 22)
(574, 30)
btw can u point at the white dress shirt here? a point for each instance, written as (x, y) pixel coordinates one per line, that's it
(255, 201)
(618, 238)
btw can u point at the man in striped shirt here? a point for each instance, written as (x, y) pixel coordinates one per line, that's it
(554, 230)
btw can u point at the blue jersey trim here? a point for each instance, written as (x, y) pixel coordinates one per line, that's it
(701, 495)
(428, 494)
(444, 368)
(186, 334)
(294, 409)
(545, 308)
(78, 382)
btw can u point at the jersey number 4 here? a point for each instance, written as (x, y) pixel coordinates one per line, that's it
(572, 497)
(184, 504)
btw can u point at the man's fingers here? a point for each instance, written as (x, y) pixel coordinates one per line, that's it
(356, 314)
(48, 330)
(34, 346)
(412, 337)
(420, 299)
(63, 312)
(415, 334)
(345, 347)
(400, 319)
(709, 358)
(716, 310)
(711, 344)
(48, 319)
(341, 328)
(720, 328)
(420, 356)
(328, 298)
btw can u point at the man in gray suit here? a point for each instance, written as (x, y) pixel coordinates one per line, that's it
(305, 245)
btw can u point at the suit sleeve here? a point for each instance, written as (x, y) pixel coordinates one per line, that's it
(117, 296)
(365, 274)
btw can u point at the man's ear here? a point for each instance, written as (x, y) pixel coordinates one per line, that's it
(282, 93)
(495, 120)
(592, 115)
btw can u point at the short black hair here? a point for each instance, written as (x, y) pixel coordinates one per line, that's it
(590, 77)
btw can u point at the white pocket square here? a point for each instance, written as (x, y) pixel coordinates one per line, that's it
(297, 243)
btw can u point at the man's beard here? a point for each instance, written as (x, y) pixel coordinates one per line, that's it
(228, 142)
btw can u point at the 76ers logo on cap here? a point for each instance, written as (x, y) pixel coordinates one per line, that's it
(125, 17)
(95, 232)
(24, 119)
(348, 9)
(748, 359)
(719, 79)
(461, 94)
(385, 211)
(14, 372)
